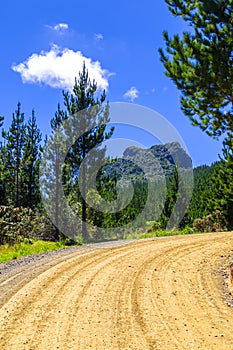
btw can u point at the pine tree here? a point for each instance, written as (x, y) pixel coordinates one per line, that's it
(172, 193)
(91, 116)
(200, 63)
(2, 177)
(221, 184)
(52, 164)
(2, 190)
(30, 163)
(71, 154)
(1, 121)
(13, 153)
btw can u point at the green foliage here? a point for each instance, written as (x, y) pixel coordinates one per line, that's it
(156, 226)
(222, 190)
(201, 63)
(203, 196)
(187, 230)
(212, 191)
(173, 187)
(1, 121)
(165, 233)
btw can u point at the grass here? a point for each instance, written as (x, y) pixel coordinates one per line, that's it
(10, 252)
(163, 233)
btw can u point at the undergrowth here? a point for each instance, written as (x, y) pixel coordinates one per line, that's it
(10, 252)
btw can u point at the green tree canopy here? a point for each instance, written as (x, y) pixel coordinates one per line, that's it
(200, 63)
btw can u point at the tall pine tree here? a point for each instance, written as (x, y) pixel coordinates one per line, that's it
(13, 153)
(91, 115)
(2, 190)
(200, 63)
(51, 170)
(1, 121)
(30, 163)
(70, 155)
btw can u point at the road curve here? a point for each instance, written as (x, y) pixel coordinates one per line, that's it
(165, 294)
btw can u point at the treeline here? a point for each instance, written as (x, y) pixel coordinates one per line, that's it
(21, 213)
(20, 152)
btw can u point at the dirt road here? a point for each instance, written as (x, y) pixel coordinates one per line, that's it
(166, 294)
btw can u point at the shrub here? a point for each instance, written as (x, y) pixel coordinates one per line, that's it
(187, 230)
(22, 224)
(210, 223)
(157, 226)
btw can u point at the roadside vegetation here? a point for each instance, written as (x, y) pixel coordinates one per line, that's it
(15, 251)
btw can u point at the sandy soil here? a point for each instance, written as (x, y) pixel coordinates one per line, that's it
(166, 294)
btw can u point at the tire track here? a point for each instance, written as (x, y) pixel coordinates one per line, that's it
(151, 294)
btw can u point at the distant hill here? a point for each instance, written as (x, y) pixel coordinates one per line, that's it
(158, 160)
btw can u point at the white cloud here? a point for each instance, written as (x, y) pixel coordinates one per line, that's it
(59, 67)
(132, 94)
(60, 27)
(99, 36)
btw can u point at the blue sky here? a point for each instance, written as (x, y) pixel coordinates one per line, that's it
(44, 43)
